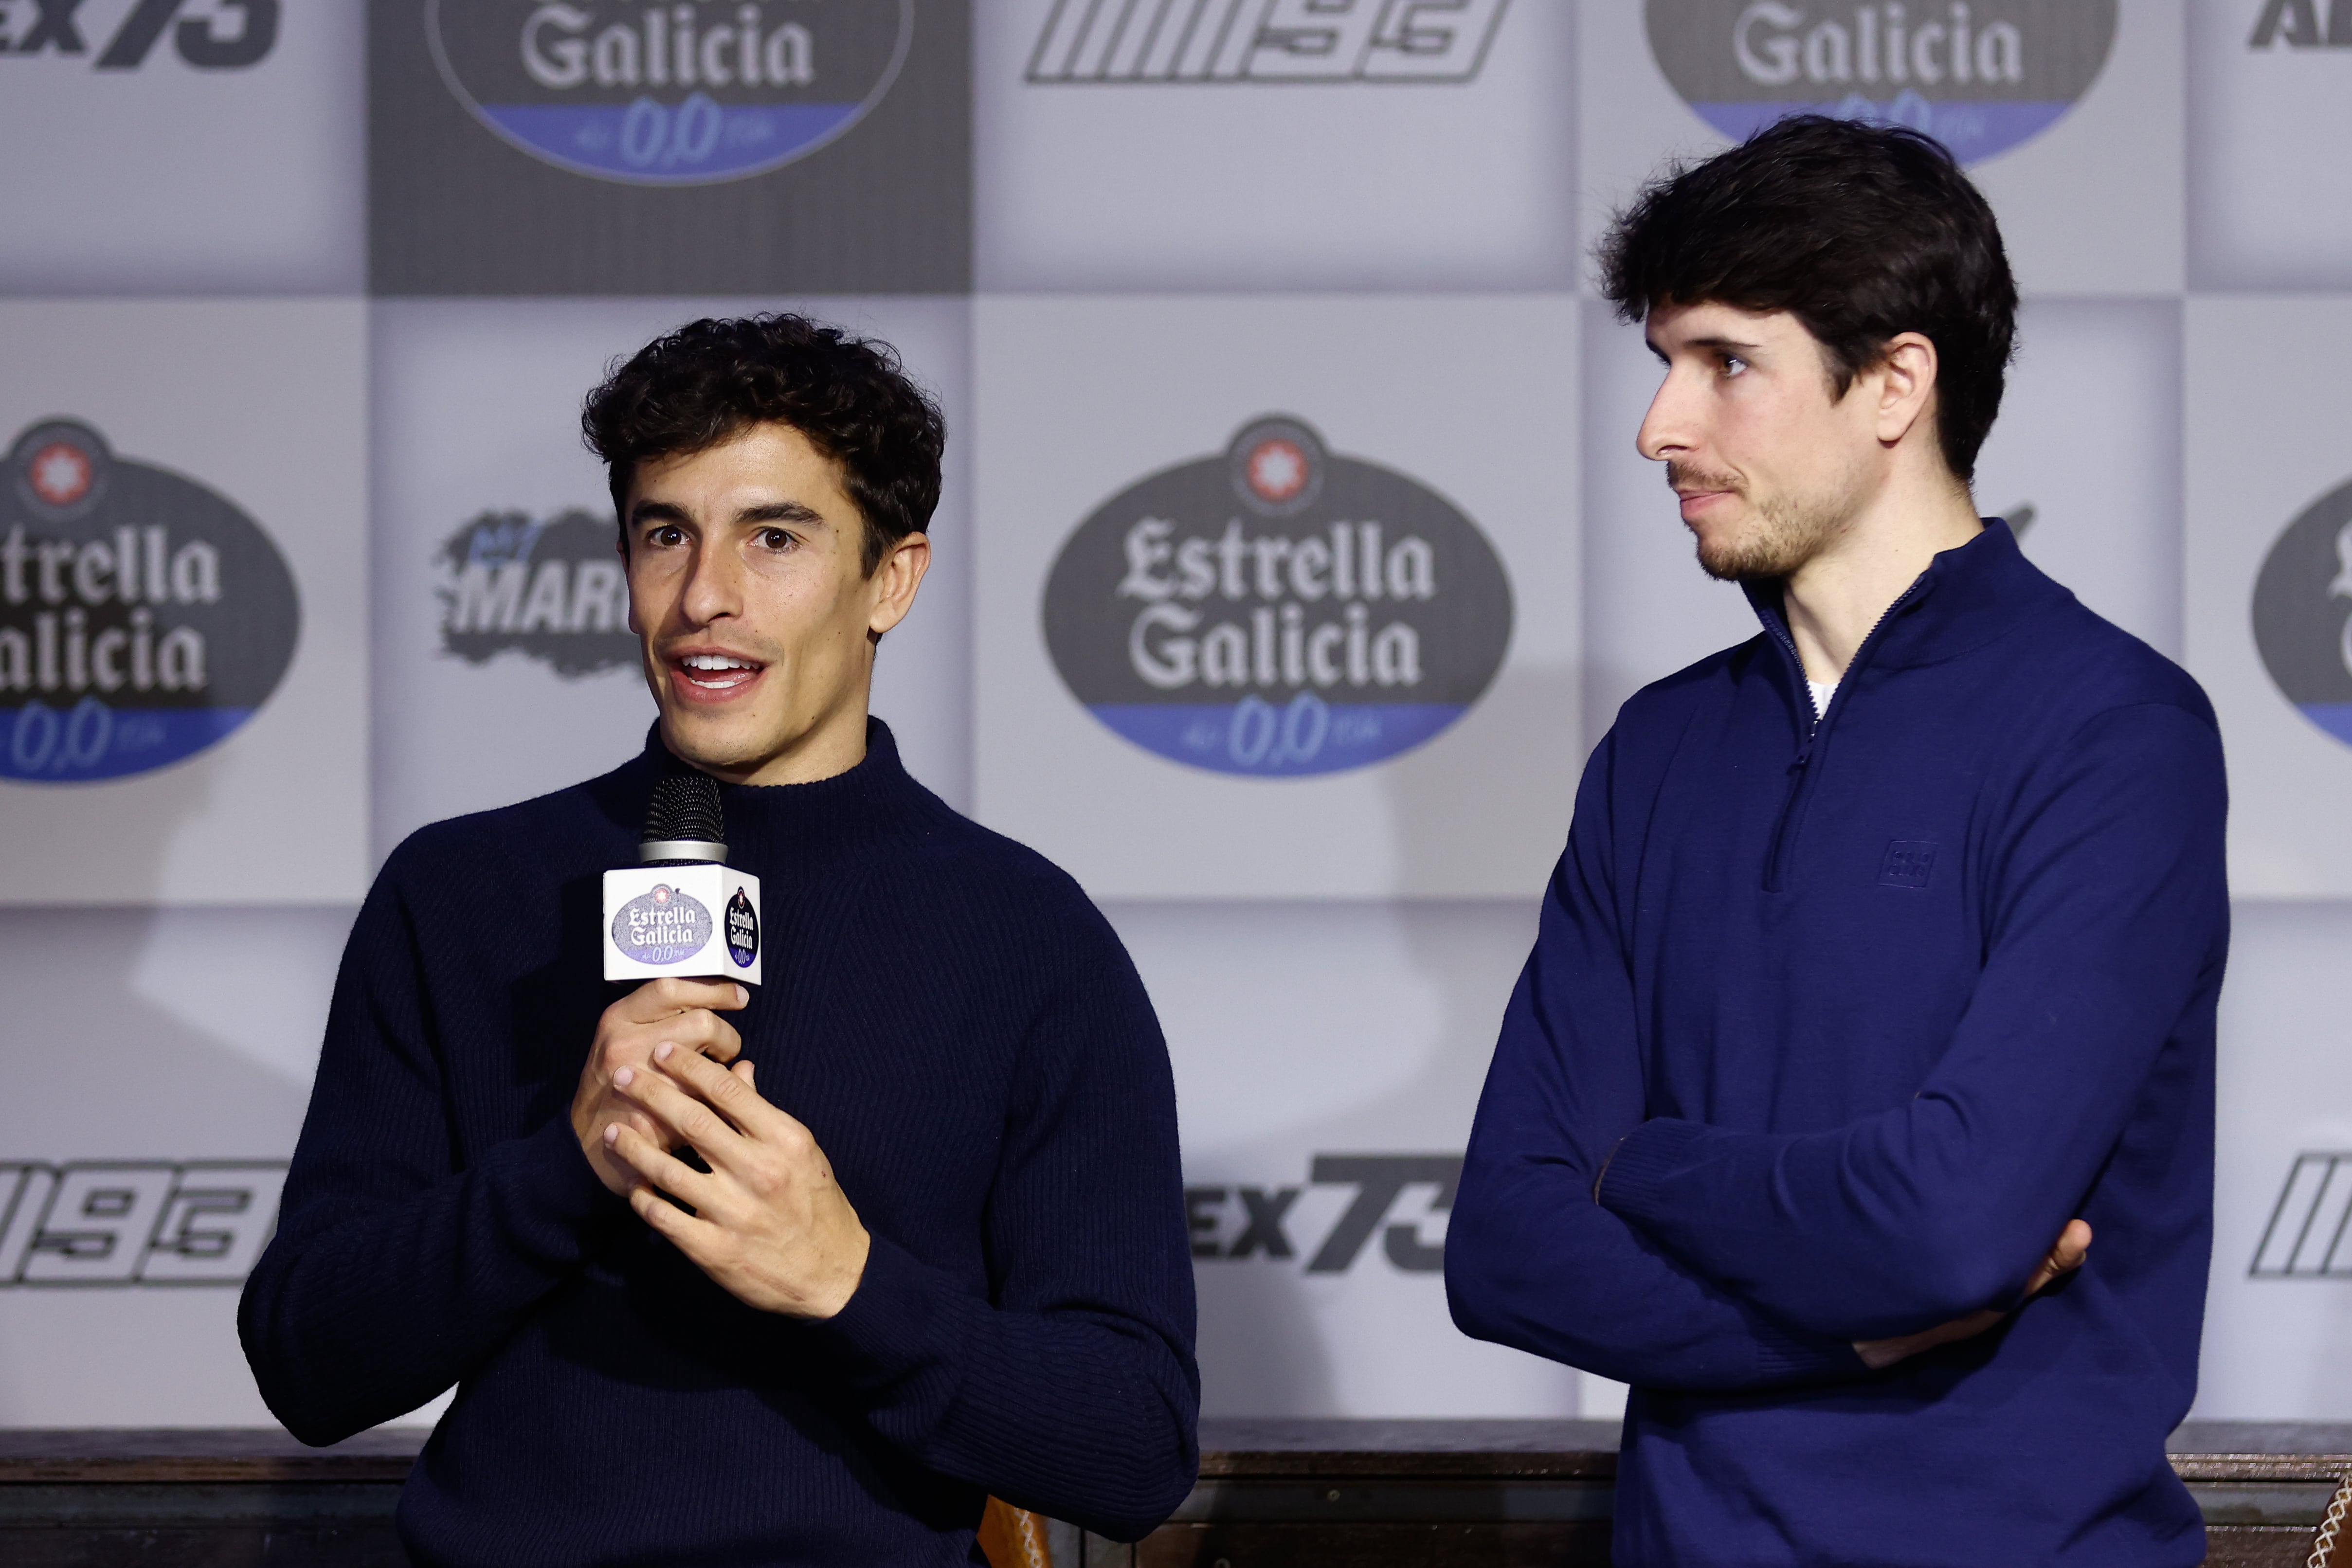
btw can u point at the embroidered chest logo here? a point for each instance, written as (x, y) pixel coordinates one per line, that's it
(1908, 863)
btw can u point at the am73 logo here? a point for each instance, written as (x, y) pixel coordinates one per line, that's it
(222, 34)
(1403, 1198)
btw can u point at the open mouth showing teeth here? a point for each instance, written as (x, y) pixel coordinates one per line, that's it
(717, 672)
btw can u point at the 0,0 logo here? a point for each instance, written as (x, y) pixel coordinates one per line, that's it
(1979, 76)
(664, 926)
(655, 93)
(2303, 612)
(1278, 609)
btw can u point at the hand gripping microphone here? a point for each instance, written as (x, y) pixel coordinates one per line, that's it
(681, 910)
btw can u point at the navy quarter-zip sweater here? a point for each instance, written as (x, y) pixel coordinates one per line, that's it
(967, 1040)
(1857, 1015)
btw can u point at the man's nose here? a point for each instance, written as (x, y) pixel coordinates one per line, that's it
(714, 586)
(1665, 429)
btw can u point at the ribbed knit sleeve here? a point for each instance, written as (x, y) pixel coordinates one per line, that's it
(1531, 1261)
(400, 1261)
(1071, 1387)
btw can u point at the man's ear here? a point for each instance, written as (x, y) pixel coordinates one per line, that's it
(1904, 385)
(896, 578)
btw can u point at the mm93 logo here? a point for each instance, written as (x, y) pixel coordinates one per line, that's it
(1979, 76)
(143, 617)
(670, 92)
(1278, 609)
(209, 35)
(1265, 40)
(136, 1222)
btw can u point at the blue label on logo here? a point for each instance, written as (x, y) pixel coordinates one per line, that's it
(657, 93)
(1278, 609)
(1979, 76)
(143, 617)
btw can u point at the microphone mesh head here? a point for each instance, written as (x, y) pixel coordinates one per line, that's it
(684, 809)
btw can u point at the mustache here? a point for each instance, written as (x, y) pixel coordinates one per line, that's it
(1683, 475)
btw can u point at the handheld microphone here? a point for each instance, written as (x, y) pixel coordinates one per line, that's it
(681, 910)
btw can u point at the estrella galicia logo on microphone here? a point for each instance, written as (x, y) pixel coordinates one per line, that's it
(144, 616)
(550, 588)
(1979, 76)
(655, 93)
(1278, 609)
(2303, 612)
(742, 930)
(664, 926)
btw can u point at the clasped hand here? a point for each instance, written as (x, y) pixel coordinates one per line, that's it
(769, 1223)
(2065, 1256)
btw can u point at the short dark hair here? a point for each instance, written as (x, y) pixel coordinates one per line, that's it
(1860, 230)
(710, 381)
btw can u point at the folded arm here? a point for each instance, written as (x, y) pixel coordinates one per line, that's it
(2109, 913)
(1531, 1259)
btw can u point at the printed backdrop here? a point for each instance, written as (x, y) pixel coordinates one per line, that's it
(1293, 552)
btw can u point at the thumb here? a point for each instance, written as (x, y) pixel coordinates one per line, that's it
(742, 1070)
(2073, 1244)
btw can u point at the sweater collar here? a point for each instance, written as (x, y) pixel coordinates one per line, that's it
(1968, 596)
(874, 796)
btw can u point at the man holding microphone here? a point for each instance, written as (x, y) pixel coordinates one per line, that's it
(796, 1277)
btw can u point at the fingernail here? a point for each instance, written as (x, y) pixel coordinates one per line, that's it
(621, 1079)
(661, 1052)
(742, 996)
(612, 1132)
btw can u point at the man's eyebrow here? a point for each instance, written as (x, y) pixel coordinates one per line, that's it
(780, 512)
(665, 512)
(646, 512)
(1705, 345)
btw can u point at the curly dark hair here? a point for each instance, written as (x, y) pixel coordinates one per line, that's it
(705, 383)
(1860, 230)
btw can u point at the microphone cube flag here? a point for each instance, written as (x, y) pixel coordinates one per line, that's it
(699, 920)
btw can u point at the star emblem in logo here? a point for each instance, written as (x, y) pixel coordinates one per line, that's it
(661, 895)
(1277, 469)
(61, 474)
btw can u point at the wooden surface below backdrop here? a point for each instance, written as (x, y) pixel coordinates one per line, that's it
(1336, 1494)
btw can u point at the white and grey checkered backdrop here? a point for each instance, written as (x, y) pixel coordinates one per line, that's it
(298, 547)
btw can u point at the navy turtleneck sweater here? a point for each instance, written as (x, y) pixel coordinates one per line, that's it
(972, 1049)
(1830, 1027)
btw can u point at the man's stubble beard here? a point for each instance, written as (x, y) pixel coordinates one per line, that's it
(1782, 534)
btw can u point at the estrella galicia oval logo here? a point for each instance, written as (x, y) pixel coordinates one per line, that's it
(742, 930)
(550, 588)
(144, 616)
(651, 92)
(664, 926)
(1979, 76)
(2303, 612)
(1278, 609)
